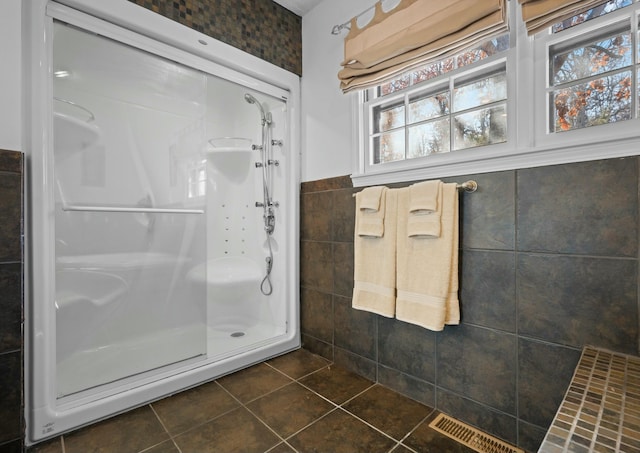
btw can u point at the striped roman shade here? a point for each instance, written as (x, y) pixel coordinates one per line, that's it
(541, 14)
(414, 33)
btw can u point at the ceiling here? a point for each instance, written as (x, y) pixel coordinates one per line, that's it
(300, 7)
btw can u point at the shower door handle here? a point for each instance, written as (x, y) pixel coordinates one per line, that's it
(127, 209)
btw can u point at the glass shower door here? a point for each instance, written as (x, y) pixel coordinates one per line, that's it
(130, 215)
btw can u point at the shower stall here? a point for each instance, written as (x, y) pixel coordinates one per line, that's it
(162, 211)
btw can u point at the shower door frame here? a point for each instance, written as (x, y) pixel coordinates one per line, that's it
(168, 39)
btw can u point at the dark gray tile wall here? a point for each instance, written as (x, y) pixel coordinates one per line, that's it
(548, 264)
(11, 401)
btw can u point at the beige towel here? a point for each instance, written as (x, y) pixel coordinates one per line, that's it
(424, 196)
(425, 209)
(427, 274)
(371, 221)
(375, 262)
(370, 198)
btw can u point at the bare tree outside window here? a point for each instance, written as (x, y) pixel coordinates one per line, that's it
(594, 83)
(593, 13)
(423, 123)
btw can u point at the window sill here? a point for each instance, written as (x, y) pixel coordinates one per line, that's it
(479, 161)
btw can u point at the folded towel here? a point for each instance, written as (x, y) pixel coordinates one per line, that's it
(370, 198)
(370, 222)
(425, 222)
(426, 226)
(427, 269)
(424, 196)
(375, 261)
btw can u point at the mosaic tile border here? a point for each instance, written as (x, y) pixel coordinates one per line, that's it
(262, 28)
(601, 409)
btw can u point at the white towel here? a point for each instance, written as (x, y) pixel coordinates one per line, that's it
(375, 262)
(427, 269)
(370, 221)
(425, 209)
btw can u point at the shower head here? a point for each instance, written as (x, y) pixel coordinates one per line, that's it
(266, 117)
(250, 99)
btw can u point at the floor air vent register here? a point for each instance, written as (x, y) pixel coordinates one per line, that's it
(471, 437)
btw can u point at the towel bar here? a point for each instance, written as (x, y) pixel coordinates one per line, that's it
(130, 209)
(467, 186)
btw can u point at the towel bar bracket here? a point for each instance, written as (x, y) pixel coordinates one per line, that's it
(468, 186)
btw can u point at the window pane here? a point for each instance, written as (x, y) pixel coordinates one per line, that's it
(388, 117)
(480, 92)
(484, 50)
(429, 138)
(598, 11)
(421, 109)
(394, 85)
(388, 147)
(481, 127)
(431, 71)
(601, 101)
(596, 57)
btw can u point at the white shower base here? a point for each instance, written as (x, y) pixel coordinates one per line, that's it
(106, 364)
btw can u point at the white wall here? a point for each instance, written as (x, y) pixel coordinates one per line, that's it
(10, 76)
(327, 148)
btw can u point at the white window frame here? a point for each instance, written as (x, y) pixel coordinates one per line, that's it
(622, 130)
(529, 144)
(447, 83)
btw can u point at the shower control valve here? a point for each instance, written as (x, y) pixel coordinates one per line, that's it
(259, 164)
(259, 205)
(273, 162)
(275, 204)
(256, 147)
(276, 142)
(270, 222)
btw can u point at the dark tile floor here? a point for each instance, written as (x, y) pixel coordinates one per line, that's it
(298, 402)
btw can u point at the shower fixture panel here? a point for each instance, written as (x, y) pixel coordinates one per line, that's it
(267, 204)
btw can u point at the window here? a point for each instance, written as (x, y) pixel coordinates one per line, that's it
(566, 94)
(591, 76)
(453, 104)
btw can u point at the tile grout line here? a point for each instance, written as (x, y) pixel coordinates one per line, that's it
(297, 381)
(368, 424)
(420, 423)
(303, 376)
(198, 425)
(244, 406)
(278, 436)
(341, 406)
(165, 429)
(518, 337)
(291, 436)
(319, 395)
(433, 411)
(336, 407)
(257, 397)
(637, 257)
